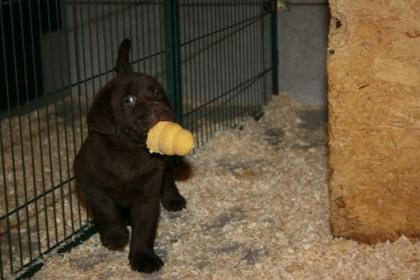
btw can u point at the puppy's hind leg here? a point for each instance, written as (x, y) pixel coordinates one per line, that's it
(108, 219)
(172, 200)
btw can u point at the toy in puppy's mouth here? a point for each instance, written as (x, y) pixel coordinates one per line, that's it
(169, 138)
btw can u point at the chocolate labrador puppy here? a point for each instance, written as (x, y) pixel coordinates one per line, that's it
(120, 180)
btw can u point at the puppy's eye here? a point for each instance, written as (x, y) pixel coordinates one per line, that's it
(129, 100)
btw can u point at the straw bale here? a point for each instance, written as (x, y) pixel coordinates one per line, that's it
(374, 118)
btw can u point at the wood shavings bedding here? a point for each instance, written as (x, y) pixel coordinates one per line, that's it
(257, 209)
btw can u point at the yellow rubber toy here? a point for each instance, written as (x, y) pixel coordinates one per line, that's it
(169, 138)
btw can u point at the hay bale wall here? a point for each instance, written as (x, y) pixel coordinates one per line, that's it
(374, 118)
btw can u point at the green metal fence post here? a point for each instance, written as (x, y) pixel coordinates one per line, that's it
(274, 47)
(173, 55)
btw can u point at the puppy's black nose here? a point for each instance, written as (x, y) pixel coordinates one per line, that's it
(163, 114)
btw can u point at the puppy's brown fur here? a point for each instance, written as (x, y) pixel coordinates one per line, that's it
(121, 181)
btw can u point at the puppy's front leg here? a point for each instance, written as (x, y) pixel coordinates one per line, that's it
(144, 217)
(108, 220)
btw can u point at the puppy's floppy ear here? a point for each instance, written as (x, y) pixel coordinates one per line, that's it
(101, 116)
(123, 61)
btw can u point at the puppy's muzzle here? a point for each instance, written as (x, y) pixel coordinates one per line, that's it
(160, 112)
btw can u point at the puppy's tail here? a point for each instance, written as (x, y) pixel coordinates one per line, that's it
(123, 62)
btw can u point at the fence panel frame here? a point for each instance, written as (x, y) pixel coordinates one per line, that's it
(174, 58)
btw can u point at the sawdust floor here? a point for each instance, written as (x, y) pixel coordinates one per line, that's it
(257, 209)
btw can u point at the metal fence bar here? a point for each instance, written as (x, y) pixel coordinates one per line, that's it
(25, 183)
(230, 67)
(36, 198)
(6, 205)
(225, 56)
(173, 72)
(58, 77)
(201, 80)
(274, 47)
(5, 191)
(11, 138)
(63, 246)
(73, 125)
(38, 123)
(210, 18)
(237, 37)
(255, 61)
(155, 18)
(228, 92)
(148, 48)
(79, 91)
(188, 4)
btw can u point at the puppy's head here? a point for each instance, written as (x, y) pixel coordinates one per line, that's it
(129, 105)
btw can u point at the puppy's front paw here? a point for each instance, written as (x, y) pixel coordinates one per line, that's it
(175, 203)
(115, 239)
(145, 262)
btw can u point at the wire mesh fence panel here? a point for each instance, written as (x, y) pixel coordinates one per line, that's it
(56, 54)
(70, 47)
(226, 58)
